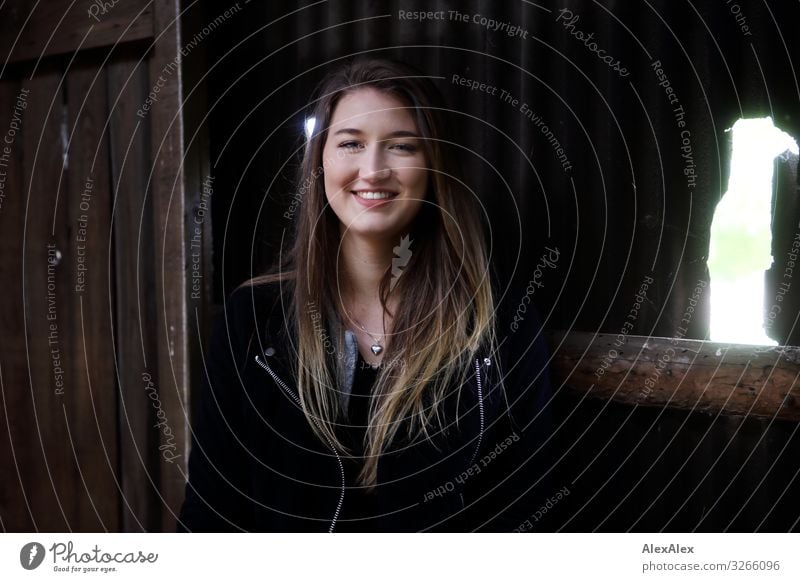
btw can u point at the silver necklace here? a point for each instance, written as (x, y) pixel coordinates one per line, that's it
(376, 348)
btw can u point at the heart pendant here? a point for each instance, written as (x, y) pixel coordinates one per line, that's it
(376, 349)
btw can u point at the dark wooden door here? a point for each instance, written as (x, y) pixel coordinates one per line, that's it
(93, 436)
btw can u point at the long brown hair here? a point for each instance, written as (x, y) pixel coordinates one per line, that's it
(446, 310)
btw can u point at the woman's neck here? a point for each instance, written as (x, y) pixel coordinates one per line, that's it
(364, 262)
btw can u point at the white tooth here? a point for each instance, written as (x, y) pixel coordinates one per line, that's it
(373, 195)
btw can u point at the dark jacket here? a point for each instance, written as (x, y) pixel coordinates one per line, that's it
(256, 465)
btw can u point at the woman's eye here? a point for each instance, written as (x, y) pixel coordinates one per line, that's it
(405, 147)
(350, 145)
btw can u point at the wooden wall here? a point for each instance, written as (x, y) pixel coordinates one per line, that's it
(93, 365)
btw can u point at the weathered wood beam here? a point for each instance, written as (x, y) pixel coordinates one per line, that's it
(135, 315)
(172, 266)
(64, 26)
(732, 379)
(59, 26)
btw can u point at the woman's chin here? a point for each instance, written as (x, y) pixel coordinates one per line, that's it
(377, 229)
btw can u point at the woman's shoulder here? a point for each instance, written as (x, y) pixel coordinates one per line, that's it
(259, 290)
(253, 312)
(257, 301)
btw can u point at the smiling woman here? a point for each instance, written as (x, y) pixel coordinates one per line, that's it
(360, 385)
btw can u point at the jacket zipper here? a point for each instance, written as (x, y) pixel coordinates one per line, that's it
(296, 398)
(480, 408)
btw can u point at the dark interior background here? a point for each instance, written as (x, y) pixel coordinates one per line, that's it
(623, 211)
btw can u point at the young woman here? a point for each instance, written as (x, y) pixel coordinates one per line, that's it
(369, 384)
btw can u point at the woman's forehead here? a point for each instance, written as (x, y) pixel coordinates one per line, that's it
(364, 108)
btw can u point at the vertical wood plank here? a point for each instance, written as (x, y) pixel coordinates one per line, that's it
(49, 473)
(171, 259)
(199, 185)
(93, 411)
(16, 402)
(133, 257)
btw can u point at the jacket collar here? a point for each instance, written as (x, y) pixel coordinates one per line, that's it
(279, 343)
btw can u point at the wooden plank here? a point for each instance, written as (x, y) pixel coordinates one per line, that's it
(93, 409)
(61, 26)
(199, 185)
(133, 260)
(48, 469)
(703, 376)
(171, 257)
(14, 394)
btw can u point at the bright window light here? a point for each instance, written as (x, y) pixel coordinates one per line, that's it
(741, 237)
(310, 123)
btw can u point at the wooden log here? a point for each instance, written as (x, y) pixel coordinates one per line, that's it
(732, 379)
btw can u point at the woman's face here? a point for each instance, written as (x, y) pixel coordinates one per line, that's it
(374, 166)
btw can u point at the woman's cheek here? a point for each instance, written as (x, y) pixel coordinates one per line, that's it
(333, 185)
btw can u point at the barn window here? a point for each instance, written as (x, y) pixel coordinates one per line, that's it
(741, 234)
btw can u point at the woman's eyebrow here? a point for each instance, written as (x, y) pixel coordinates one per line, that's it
(393, 134)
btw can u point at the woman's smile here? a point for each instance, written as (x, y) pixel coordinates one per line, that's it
(374, 198)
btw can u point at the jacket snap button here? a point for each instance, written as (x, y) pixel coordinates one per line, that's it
(270, 351)
(487, 361)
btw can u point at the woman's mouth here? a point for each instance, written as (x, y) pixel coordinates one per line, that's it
(373, 197)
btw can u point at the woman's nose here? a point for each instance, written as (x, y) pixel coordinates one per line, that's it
(375, 167)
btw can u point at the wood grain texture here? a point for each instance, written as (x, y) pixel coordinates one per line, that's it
(135, 304)
(15, 510)
(730, 379)
(171, 258)
(93, 407)
(63, 26)
(47, 465)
